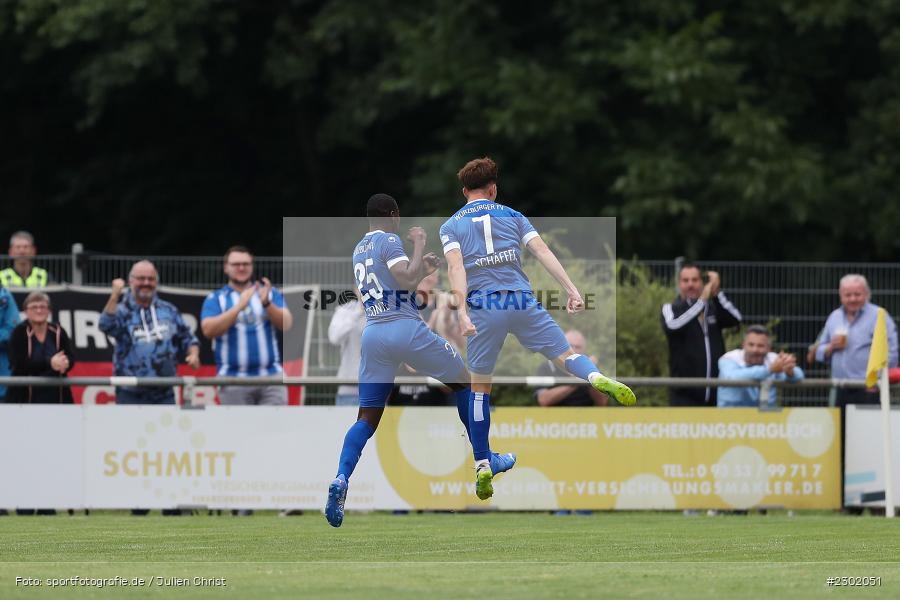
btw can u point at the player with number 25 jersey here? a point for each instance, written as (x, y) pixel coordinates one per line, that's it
(386, 279)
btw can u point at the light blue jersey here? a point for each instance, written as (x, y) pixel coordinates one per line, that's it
(249, 347)
(382, 296)
(395, 332)
(490, 237)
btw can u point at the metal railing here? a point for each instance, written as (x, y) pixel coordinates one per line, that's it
(189, 383)
(528, 381)
(794, 297)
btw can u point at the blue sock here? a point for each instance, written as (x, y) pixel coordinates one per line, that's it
(354, 442)
(480, 424)
(462, 407)
(580, 365)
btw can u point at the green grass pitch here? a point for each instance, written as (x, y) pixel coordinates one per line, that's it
(436, 556)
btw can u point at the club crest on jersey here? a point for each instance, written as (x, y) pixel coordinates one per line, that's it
(392, 238)
(249, 317)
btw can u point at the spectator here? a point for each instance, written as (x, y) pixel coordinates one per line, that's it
(345, 330)
(440, 311)
(241, 318)
(23, 273)
(569, 395)
(755, 360)
(693, 324)
(38, 348)
(811, 350)
(848, 336)
(9, 318)
(150, 334)
(427, 295)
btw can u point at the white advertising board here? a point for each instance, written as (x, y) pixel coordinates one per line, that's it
(259, 457)
(864, 459)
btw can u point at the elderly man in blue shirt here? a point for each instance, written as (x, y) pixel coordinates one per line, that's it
(848, 335)
(755, 360)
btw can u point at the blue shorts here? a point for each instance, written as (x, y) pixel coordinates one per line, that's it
(500, 313)
(386, 345)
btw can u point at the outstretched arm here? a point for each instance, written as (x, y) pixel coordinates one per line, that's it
(545, 256)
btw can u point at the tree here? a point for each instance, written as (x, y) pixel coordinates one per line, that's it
(742, 130)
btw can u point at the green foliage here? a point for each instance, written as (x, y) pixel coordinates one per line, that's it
(125, 43)
(641, 347)
(698, 125)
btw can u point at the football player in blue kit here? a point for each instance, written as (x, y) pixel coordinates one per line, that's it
(482, 244)
(395, 333)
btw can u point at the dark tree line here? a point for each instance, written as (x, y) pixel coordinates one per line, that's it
(736, 129)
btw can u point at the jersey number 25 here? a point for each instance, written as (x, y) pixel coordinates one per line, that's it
(362, 278)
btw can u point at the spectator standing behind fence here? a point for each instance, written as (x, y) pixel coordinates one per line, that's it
(9, 318)
(569, 395)
(39, 348)
(439, 311)
(23, 273)
(150, 334)
(241, 318)
(847, 338)
(755, 360)
(693, 324)
(345, 331)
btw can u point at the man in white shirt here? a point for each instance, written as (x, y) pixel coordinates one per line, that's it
(345, 330)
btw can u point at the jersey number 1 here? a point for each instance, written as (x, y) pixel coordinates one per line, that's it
(488, 239)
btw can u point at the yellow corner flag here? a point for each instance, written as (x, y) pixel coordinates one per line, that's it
(878, 355)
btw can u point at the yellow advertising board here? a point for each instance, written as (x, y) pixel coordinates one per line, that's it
(644, 458)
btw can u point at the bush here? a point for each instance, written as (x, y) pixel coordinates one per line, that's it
(641, 346)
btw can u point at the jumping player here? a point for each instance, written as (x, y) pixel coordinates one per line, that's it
(482, 244)
(395, 333)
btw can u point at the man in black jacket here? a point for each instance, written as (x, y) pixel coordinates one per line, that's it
(693, 324)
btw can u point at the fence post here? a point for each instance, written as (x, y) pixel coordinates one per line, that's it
(77, 250)
(187, 391)
(884, 389)
(765, 392)
(679, 260)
